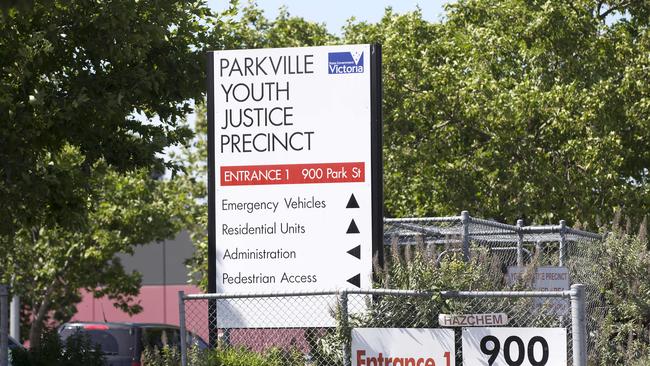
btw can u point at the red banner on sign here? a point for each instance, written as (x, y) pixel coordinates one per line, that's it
(292, 174)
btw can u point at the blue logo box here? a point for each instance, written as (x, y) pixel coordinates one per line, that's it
(345, 63)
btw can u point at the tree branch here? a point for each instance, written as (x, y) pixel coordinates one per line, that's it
(599, 7)
(612, 9)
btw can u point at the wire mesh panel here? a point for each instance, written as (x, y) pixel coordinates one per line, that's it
(442, 236)
(314, 329)
(325, 346)
(290, 337)
(501, 249)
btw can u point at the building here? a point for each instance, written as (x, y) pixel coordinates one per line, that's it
(163, 275)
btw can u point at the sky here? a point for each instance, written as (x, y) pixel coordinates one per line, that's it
(335, 13)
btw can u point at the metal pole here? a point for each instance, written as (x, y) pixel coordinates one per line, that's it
(347, 348)
(4, 325)
(578, 325)
(520, 243)
(562, 242)
(213, 330)
(183, 329)
(14, 318)
(464, 218)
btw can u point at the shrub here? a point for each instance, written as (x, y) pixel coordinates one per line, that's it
(223, 356)
(77, 351)
(625, 287)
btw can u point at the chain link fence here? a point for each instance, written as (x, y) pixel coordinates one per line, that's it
(378, 308)
(551, 245)
(511, 257)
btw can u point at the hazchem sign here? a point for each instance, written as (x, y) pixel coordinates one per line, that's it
(403, 346)
(295, 171)
(472, 320)
(514, 346)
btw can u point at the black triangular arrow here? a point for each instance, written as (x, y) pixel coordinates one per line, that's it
(353, 229)
(355, 280)
(355, 252)
(352, 202)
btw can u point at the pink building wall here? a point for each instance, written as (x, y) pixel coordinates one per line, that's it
(159, 305)
(163, 271)
(162, 266)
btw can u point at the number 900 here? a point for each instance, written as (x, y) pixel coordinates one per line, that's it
(491, 346)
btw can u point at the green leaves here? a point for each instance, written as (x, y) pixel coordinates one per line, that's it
(91, 93)
(626, 291)
(512, 109)
(75, 72)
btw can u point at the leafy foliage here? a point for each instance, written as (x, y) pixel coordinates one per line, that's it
(120, 211)
(407, 268)
(223, 357)
(625, 287)
(509, 109)
(75, 73)
(515, 109)
(161, 357)
(90, 95)
(77, 350)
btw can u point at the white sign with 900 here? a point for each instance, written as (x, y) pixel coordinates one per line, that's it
(515, 346)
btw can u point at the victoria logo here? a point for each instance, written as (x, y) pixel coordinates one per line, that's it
(345, 62)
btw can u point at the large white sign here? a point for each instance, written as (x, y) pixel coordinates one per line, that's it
(293, 174)
(403, 347)
(514, 346)
(548, 278)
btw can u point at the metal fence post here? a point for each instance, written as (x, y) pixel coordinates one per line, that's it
(578, 325)
(4, 325)
(183, 328)
(347, 347)
(520, 243)
(563, 250)
(14, 316)
(464, 218)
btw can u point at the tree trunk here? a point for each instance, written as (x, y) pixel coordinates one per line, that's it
(36, 328)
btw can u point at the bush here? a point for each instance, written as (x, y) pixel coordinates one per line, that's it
(409, 268)
(223, 356)
(625, 286)
(77, 351)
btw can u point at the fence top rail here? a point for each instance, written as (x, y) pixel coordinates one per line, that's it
(478, 294)
(422, 219)
(242, 295)
(417, 293)
(493, 224)
(584, 233)
(414, 225)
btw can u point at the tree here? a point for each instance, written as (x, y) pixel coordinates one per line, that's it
(625, 290)
(90, 95)
(515, 109)
(533, 110)
(77, 73)
(50, 262)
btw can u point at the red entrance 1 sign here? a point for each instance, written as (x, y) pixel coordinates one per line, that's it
(292, 174)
